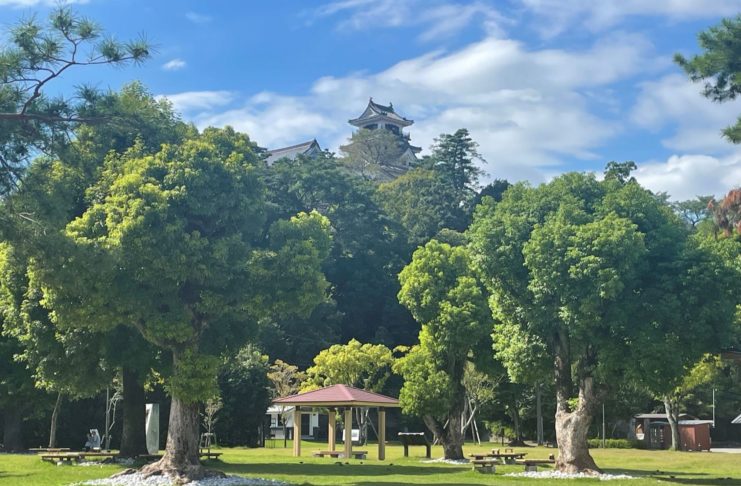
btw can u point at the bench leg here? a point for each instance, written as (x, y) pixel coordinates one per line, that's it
(531, 468)
(406, 450)
(485, 469)
(429, 451)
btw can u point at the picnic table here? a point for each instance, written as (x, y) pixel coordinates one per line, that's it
(75, 456)
(415, 438)
(507, 457)
(210, 455)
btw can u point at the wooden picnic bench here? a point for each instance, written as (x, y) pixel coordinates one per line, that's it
(507, 457)
(531, 465)
(47, 450)
(337, 454)
(415, 438)
(484, 465)
(61, 456)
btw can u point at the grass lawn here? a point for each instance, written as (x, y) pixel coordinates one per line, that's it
(700, 468)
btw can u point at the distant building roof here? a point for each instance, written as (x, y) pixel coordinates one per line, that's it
(338, 396)
(695, 422)
(662, 416)
(375, 111)
(306, 148)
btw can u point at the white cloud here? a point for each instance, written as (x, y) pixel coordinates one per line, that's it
(190, 103)
(174, 65)
(558, 15)
(525, 107)
(675, 102)
(198, 18)
(687, 176)
(438, 18)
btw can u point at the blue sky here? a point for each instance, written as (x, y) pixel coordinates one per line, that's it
(544, 86)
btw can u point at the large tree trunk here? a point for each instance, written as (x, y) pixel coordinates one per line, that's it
(133, 437)
(672, 415)
(54, 420)
(450, 435)
(13, 429)
(572, 427)
(181, 460)
(517, 440)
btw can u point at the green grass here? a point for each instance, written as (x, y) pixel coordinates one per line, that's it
(654, 467)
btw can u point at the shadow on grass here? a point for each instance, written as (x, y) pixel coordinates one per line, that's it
(701, 481)
(649, 474)
(332, 469)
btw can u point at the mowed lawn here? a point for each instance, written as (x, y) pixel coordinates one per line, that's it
(653, 467)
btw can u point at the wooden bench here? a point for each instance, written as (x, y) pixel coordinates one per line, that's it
(334, 454)
(507, 457)
(415, 439)
(210, 455)
(479, 456)
(62, 456)
(531, 465)
(46, 450)
(484, 465)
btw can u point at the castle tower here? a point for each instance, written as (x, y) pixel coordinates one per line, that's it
(376, 116)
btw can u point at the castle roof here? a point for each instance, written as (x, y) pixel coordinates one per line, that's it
(306, 148)
(377, 112)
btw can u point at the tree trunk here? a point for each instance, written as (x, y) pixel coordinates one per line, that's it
(133, 436)
(517, 440)
(54, 419)
(13, 429)
(672, 416)
(181, 460)
(450, 435)
(572, 427)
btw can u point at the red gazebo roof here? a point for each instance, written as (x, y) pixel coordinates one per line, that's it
(338, 396)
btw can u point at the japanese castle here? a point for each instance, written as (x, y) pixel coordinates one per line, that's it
(375, 116)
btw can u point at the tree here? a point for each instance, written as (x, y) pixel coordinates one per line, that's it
(727, 212)
(587, 275)
(454, 156)
(424, 203)
(182, 236)
(245, 391)
(693, 211)
(58, 190)
(365, 366)
(286, 380)
(31, 120)
(445, 297)
(494, 190)
(372, 153)
(718, 66)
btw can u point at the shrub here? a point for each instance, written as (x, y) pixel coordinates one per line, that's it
(614, 444)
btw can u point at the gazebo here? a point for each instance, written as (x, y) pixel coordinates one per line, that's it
(334, 397)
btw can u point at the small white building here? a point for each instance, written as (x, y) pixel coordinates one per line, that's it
(278, 413)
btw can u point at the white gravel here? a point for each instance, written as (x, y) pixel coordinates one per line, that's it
(137, 480)
(447, 461)
(561, 475)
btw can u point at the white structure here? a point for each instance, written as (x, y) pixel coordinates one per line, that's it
(152, 427)
(278, 413)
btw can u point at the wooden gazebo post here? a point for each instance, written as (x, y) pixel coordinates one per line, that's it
(297, 431)
(332, 423)
(381, 434)
(348, 432)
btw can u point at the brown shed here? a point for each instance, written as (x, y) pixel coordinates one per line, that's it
(694, 435)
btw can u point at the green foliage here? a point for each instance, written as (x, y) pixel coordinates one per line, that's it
(35, 55)
(368, 250)
(600, 275)
(182, 234)
(615, 444)
(453, 157)
(718, 66)
(424, 203)
(365, 366)
(372, 153)
(245, 392)
(445, 297)
(693, 211)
